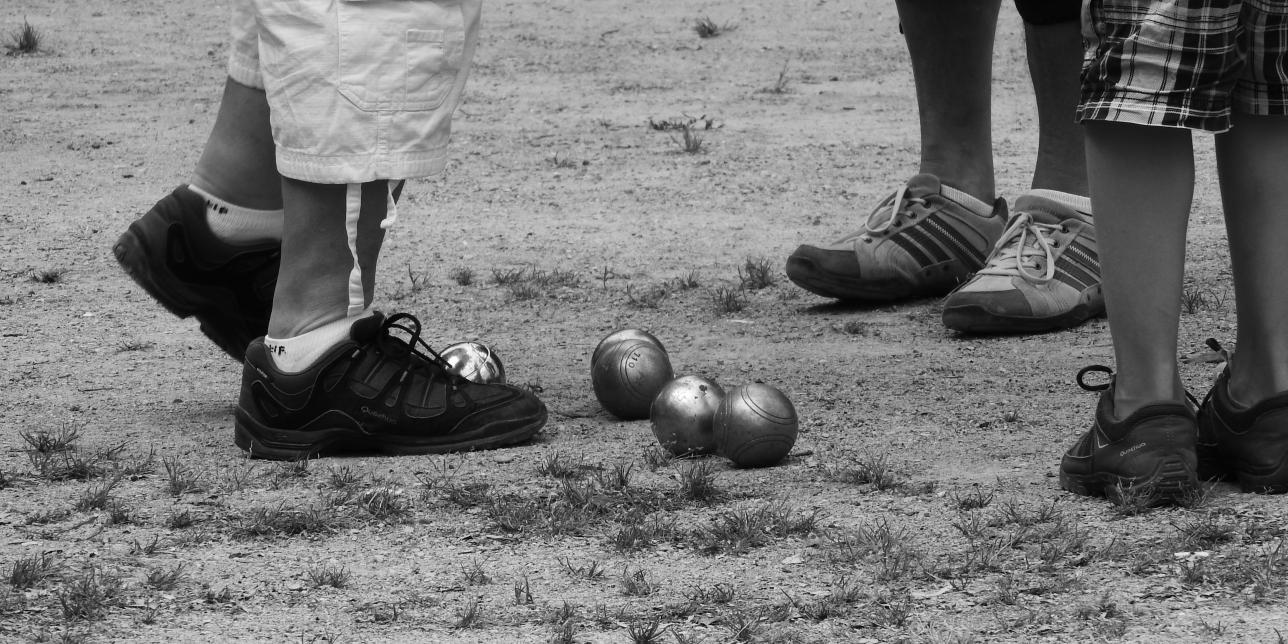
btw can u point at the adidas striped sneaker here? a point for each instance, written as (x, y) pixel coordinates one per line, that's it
(1042, 275)
(920, 241)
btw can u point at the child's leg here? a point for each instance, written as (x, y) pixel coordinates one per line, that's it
(238, 161)
(313, 287)
(1251, 159)
(1142, 182)
(951, 47)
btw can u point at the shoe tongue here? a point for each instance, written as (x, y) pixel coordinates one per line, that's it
(1043, 210)
(923, 184)
(367, 328)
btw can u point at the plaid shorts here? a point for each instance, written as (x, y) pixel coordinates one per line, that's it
(357, 90)
(1184, 63)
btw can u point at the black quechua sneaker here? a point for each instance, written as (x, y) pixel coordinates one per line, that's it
(172, 254)
(1249, 444)
(376, 392)
(1150, 452)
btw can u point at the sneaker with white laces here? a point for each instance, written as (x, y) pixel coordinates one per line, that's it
(919, 242)
(1043, 274)
(382, 390)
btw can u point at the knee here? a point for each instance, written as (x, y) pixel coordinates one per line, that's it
(1048, 12)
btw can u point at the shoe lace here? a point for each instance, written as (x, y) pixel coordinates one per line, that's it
(410, 347)
(882, 219)
(1225, 354)
(1101, 386)
(1025, 249)
(1095, 368)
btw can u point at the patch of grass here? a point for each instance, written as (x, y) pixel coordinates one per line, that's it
(287, 521)
(49, 275)
(617, 478)
(656, 458)
(560, 466)
(1196, 300)
(97, 496)
(708, 28)
(645, 631)
(876, 471)
(976, 499)
(462, 275)
(649, 297)
(470, 615)
(291, 470)
(739, 530)
(387, 504)
(145, 548)
(698, 482)
(690, 140)
(639, 534)
(28, 572)
(636, 583)
(134, 345)
(89, 595)
(727, 300)
(47, 442)
(563, 163)
(756, 274)
(328, 574)
(417, 281)
(860, 328)
(677, 124)
(891, 549)
(164, 578)
(474, 574)
(523, 291)
(893, 609)
(508, 276)
(523, 592)
(181, 477)
(781, 85)
(744, 625)
(26, 40)
(590, 570)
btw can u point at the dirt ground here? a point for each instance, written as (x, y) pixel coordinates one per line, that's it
(919, 504)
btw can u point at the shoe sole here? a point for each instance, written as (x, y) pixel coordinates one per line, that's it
(976, 319)
(1171, 481)
(806, 275)
(132, 253)
(261, 441)
(1269, 480)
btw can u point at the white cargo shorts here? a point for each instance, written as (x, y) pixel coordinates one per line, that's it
(358, 90)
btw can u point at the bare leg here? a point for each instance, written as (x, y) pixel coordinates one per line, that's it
(1142, 184)
(1251, 158)
(239, 162)
(951, 46)
(1055, 63)
(313, 287)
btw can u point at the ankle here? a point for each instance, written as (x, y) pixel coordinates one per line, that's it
(299, 352)
(234, 224)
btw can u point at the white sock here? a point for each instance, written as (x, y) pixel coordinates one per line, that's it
(1077, 202)
(972, 204)
(293, 355)
(239, 225)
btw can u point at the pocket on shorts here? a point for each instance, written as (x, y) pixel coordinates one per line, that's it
(401, 55)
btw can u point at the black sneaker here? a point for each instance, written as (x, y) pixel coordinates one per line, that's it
(174, 256)
(1250, 445)
(1151, 451)
(376, 392)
